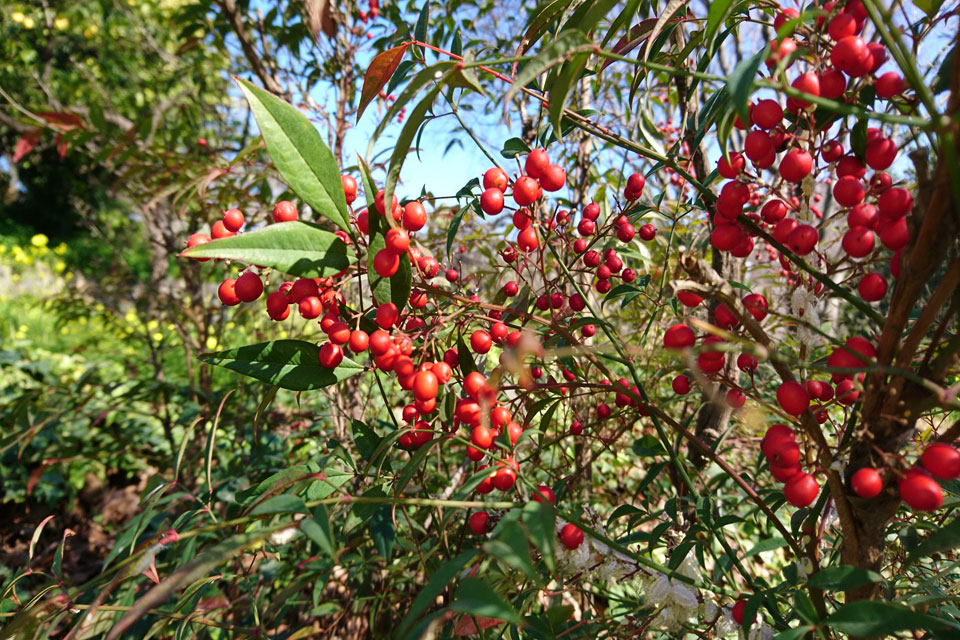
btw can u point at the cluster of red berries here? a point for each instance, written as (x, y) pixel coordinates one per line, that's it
(917, 485)
(781, 450)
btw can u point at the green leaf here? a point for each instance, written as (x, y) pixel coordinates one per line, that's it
(318, 530)
(283, 503)
(793, 634)
(740, 83)
(766, 545)
(588, 14)
(547, 13)
(299, 153)
(402, 145)
(560, 90)
(423, 20)
(382, 530)
(665, 15)
(945, 538)
(511, 547)
(455, 224)
(381, 69)
(366, 440)
(289, 364)
(539, 519)
(564, 47)
(412, 466)
(842, 578)
(438, 582)
(298, 248)
(868, 618)
(477, 598)
(467, 365)
(514, 147)
(715, 16)
(396, 288)
(858, 138)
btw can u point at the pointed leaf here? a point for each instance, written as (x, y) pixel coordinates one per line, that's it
(564, 47)
(283, 503)
(869, 618)
(381, 69)
(298, 248)
(438, 582)
(318, 530)
(289, 364)
(740, 82)
(477, 598)
(842, 578)
(299, 153)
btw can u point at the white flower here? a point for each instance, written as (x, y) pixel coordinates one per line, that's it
(760, 632)
(283, 536)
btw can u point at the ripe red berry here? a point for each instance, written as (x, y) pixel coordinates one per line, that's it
(803, 239)
(635, 183)
(386, 263)
(219, 230)
(543, 493)
(359, 340)
(737, 612)
(480, 341)
(679, 336)
(479, 521)
(527, 240)
(792, 397)
(849, 191)
(387, 315)
(889, 85)
(767, 114)
(872, 287)
(553, 178)
(796, 165)
(773, 211)
(414, 216)
(571, 536)
(747, 362)
(731, 166)
(495, 178)
(284, 211)
(867, 483)
(227, 292)
(920, 491)
(425, 385)
(757, 145)
(681, 385)
(249, 287)
(858, 242)
(491, 201)
(880, 153)
(942, 461)
(801, 490)
(536, 163)
(330, 355)
(504, 478)
(808, 83)
(233, 219)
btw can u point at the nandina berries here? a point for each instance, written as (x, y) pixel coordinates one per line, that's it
(491, 201)
(227, 292)
(479, 522)
(543, 493)
(425, 386)
(330, 355)
(796, 165)
(249, 287)
(920, 491)
(681, 385)
(386, 262)
(858, 242)
(397, 240)
(942, 461)
(571, 536)
(349, 188)
(792, 397)
(480, 341)
(284, 211)
(801, 490)
(495, 178)
(233, 219)
(414, 216)
(867, 483)
(679, 336)
(553, 178)
(526, 191)
(872, 287)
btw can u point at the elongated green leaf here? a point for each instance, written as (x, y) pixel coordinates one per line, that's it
(477, 598)
(381, 69)
(438, 582)
(842, 578)
(318, 530)
(539, 519)
(546, 14)
(740, 83)
(396, 288)
(382, 531)
(588, 14)
(511, 548)
(405, 139)
(565, 82)
(300, 154)
(662, 20)
(423, 21)
(793, 634)
(564, 47)
(298, 248)
(455, 223)
(416, 460)
(945, 538)
(283, 503)
(868, 618)
(289, 364)
(715, 16)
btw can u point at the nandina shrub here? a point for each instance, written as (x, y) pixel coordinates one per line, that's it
(666, 403)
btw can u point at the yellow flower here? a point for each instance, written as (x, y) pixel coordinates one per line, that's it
(17, 16)
(64, 331)
(23, 328)
(61, 23)
(39, 240)
(28, 23)
(130, 317)
(60, 249)
(91, 31)
(211, 343)
(152, 325)
(158, 337)
(59, 266)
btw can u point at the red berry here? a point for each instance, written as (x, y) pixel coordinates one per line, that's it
(233, 219)
(737, 612)
(480, 341)
(414, 216)
(808, 83)
(648, 232)
(249, 287)
(495, 178)
(527, 240)
(889, 85)
(858, 242)
(796, 165)
(774, 211)
(803, 239)
(387, 315)
(571, 536)
(331, 355)
(679, 336)
(872, 287)
(801, 490)
(731, 166)
(849, 191)
(536, 163)
(349, 188)
(284, 211)
(543, 493)
(867, 483)
(359, 340)
(792, 397)
(219, 230)
(920, 491)
(386, 263)
(227, 292)
(491, 201)
(942, 461)
(553, 178)
(479, 522)
(635, 183)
